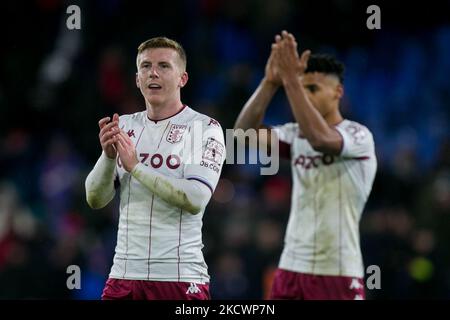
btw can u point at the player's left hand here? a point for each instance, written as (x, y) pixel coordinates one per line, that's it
(126, 151)
(288, 62)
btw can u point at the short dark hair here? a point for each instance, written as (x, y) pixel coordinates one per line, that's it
(326, 63)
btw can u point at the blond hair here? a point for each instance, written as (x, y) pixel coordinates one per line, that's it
(163, 42)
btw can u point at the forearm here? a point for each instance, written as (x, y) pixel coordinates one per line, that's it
(188, 195)
(100, 183)
(313, 125)
(252, 114)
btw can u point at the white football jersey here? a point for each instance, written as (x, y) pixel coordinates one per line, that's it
(158, 241)
(328, 196)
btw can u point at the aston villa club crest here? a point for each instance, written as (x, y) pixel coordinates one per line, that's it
(176, 133)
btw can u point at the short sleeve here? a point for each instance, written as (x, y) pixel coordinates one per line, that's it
(357, 141)
(286, 134)
(211, 156)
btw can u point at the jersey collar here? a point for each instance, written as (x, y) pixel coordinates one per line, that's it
(164, 119)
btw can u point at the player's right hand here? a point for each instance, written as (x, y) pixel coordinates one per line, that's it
(108, 131)
(271, 74)
(286, 58)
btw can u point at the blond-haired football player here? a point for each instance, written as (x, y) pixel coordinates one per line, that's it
(163, 189)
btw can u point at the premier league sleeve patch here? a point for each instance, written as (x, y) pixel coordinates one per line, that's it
(357, 133)
(213, 151)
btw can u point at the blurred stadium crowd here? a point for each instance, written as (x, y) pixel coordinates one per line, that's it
(56, 84)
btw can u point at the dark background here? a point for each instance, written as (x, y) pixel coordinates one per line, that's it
(55, 84)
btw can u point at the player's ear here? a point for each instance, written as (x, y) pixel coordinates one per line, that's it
(137, 81)
(339, 91)
(184, 79)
